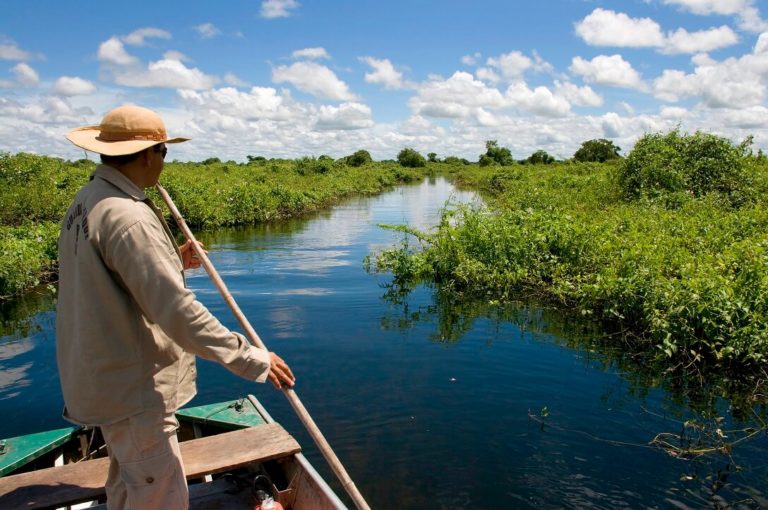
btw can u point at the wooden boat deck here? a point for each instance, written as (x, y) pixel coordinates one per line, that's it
(224, 446)
(84, 481)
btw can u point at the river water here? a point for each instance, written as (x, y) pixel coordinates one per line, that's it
(428, 404)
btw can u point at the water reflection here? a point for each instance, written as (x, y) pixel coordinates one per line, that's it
(712, 426)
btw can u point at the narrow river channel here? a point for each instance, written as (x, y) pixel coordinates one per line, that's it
(428, 405)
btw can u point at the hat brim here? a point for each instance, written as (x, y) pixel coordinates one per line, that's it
(87, 138)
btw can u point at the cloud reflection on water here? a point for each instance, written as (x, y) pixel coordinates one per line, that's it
(14, 379)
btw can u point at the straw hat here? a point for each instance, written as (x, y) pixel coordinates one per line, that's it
(124, 130)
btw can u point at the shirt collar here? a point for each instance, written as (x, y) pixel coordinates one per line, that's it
(118, 179)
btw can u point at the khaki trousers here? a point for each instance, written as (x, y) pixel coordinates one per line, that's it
(145, 471)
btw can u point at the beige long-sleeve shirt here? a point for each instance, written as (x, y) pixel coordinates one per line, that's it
(127, 328)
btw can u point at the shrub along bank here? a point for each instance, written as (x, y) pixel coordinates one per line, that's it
(36, 190)
(669, 246)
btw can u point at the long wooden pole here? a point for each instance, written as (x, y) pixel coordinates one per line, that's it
(301, 411)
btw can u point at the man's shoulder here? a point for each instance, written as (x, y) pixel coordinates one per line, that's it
(111, 207)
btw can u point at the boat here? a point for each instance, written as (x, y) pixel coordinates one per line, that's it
(234, 454)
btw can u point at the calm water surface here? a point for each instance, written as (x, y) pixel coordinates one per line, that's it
(427, 406)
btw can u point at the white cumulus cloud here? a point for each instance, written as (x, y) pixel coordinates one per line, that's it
(176, 55)
(207, 30)
(314, 79)
(317, 52)
(472, 59)
(166, 73)
(113, 51)
(232, 79)
(673, 113)
(258, 103)
(706, 7)
(579, 96)
(737, 83)
(539, 101)
(744, 10)
(384, 73)
(682, 41)
(674, 85)
(603, 27)
(487, 74)
(72, 86)
(277, 8)
(612, 125)
(457, 97)
(138, 37)
(25, 75)
(511, 65)
(608, 70)
(9, 51)
(748, 118)
(344, 117)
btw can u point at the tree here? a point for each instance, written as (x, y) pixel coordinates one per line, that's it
(495, 155)
(453, 160)
(359, 158)
(597, 150)
(410, 158)
(432, 158)
(540, 157)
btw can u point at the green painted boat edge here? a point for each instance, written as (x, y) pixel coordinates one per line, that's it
(21, 450)
(233, 414)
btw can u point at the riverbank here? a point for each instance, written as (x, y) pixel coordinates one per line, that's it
(676, 277)
(36, 190)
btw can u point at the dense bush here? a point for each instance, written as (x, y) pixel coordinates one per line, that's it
(685, 283)
(540, 157)
(495, 155)
(410, 158)
(599, 150)
(28, 253)
(359, 158)
(695, 164)
(453, 160)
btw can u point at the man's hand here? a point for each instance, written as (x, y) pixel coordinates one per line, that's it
(279, 373)
(189, 257)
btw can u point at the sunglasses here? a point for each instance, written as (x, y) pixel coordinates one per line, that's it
(164, 150)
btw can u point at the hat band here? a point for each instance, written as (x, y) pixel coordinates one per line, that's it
(109, 136)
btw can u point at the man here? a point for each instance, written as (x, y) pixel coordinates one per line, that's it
(127, 328)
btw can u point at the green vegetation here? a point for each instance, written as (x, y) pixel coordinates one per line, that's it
(495, 155)
(540, 157)
(668, 246)
(682, 277)
(359, 158)
(599, 150)
(699, 164)
(411, 159)
(36, 190)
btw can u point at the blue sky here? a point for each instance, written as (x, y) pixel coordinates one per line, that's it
(289, 78)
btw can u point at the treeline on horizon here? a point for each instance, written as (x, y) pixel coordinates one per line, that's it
(596, 150)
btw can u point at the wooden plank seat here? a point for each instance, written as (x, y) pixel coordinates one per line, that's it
(84, 481)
